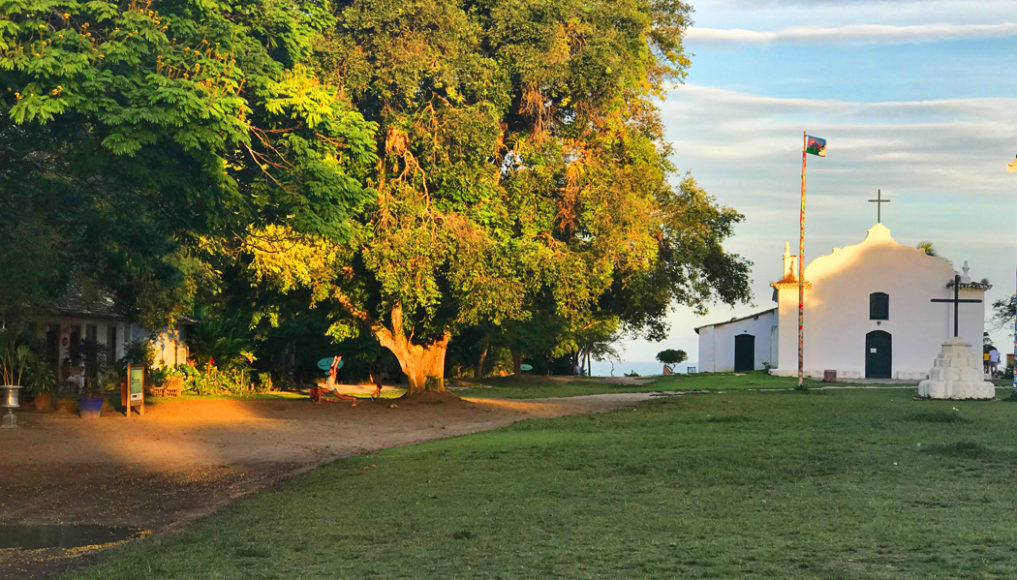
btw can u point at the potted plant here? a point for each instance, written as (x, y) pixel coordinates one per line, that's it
(40, 382)
(90, 401)
(16, 358)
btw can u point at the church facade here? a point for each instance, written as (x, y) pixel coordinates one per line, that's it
(868, 314)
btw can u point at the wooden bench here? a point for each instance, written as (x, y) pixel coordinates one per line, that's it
(171, 387)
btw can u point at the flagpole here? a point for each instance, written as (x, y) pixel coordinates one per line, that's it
(801, 287)
(1012, 168)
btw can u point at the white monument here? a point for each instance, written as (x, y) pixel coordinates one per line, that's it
(956, 373)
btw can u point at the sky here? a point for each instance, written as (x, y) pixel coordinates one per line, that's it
(917, 99)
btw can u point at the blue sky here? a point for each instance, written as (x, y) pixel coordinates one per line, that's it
(915, 98)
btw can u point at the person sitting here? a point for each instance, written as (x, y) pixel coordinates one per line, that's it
(77, 381)
(327, 387)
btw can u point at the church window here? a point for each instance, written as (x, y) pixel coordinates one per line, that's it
(879, 306)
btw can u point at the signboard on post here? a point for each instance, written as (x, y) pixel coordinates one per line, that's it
(135, 395)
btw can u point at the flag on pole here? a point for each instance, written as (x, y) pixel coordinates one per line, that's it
(1012, 168)
(815, 145)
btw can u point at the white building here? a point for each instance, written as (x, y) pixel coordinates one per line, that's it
(868, 314)
(85, 332)
(740, 344)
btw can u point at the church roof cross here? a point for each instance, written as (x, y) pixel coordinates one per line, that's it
(879, 201)
(956, 301)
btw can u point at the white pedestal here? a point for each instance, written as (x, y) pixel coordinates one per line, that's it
(956, 374)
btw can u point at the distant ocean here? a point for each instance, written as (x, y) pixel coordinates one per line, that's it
(601, 368)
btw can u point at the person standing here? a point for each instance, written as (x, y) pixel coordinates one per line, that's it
(376, 378)
(993, 361)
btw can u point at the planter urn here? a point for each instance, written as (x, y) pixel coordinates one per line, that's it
(9, 401)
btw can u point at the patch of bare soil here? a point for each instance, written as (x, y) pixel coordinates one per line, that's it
(185, 459)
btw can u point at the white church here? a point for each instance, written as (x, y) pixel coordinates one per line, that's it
(868, 313)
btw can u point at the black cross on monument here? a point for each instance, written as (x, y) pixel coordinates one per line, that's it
(956, 301)
(879, 201)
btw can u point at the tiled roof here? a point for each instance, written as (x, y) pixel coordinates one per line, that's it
(88, 299)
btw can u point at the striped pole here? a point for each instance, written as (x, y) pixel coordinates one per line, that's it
(801, 287)
(1012, 168)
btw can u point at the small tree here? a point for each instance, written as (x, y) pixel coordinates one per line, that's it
(671, 357)
(927, 247)
(1003, 310)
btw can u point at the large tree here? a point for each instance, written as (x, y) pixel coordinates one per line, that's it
(522, 172)
(414, 167)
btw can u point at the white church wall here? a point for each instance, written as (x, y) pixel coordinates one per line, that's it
(837, 310)
(787, 333)
(774, 341)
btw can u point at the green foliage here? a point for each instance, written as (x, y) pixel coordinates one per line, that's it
(161, 131)
(40, 378)
(1003, 310)
(927, 247)
(16, 358)
(223, 340)
(213, 380)
(265, 383)
(21, 364)
(671, 356)
(139, 351)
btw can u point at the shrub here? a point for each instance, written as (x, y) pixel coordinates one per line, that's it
(212, 380)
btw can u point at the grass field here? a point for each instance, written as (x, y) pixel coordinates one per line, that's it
(739, 484)
(536, 386)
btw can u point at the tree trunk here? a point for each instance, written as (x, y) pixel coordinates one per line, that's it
(423, 364)
(479, 373)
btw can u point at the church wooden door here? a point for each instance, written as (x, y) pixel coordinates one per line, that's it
(745, 353)
(878, 355)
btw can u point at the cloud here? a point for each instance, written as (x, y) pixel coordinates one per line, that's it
(853, 33)
(780, 14)
(744, 148)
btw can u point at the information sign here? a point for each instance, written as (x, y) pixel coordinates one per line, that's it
(135, 396)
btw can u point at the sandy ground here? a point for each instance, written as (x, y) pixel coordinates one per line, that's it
(185, 459)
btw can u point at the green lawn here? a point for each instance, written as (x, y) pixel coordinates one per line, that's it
(536, 386)
(739, 484)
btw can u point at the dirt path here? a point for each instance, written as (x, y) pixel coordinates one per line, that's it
(185, 459)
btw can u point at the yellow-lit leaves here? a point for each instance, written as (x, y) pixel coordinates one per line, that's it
(290, 260)
(300, 96)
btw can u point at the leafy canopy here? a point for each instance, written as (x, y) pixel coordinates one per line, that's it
(168, 128)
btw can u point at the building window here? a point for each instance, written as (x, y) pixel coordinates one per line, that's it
(879, 306)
